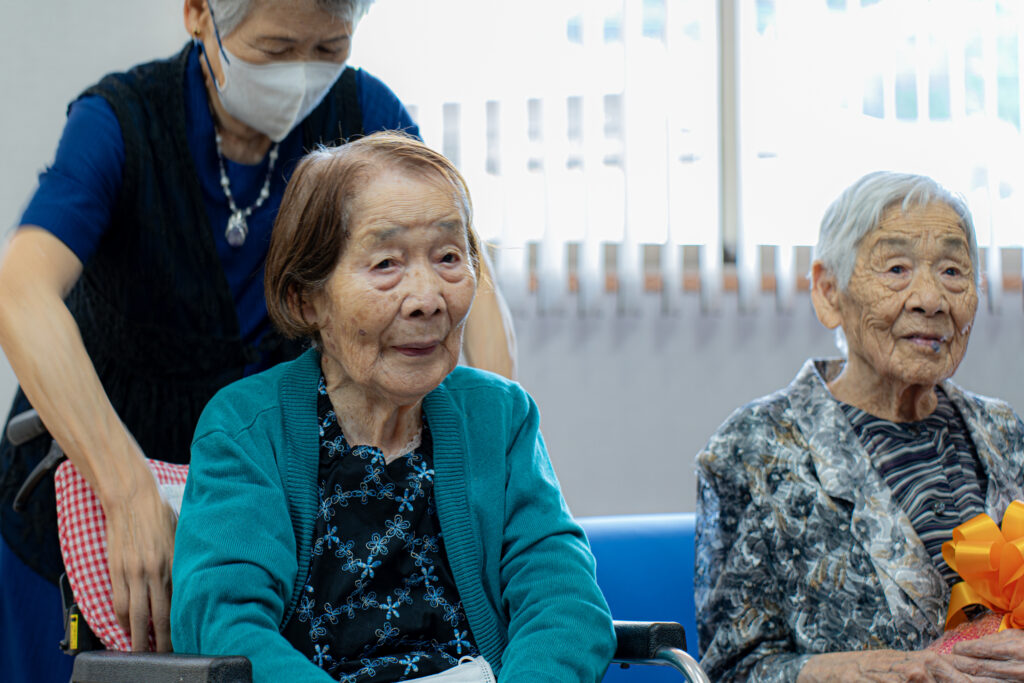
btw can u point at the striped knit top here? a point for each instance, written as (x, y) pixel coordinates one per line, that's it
(931, 467)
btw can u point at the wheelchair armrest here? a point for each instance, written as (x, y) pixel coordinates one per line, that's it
(159, 667)
(656, 642)
(642, 639)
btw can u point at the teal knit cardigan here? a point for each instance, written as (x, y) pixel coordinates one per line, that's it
(521, 564)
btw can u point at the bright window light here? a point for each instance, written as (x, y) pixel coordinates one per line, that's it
(584, 125)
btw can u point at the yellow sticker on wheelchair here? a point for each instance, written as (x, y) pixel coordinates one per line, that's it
(73, 631)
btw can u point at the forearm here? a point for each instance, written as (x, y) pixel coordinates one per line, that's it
(45, 349)
(560, 627)
(231, 586)
(879, 665)
(742, 630)
(834, 666)
(236, 622)
(489, 341)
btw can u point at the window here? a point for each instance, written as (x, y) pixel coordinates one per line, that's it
(637, 145)
(832, 90)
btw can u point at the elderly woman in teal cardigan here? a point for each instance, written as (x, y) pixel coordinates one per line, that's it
(370, 511)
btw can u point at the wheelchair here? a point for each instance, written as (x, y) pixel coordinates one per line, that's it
(639, 642)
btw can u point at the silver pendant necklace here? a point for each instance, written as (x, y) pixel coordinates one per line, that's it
(238, 229)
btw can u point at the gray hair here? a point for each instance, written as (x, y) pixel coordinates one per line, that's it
(230, 13)
(858, 211)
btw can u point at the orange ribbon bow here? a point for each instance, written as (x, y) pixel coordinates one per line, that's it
(990, 561)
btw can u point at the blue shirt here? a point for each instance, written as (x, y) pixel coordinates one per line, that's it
(77, 194)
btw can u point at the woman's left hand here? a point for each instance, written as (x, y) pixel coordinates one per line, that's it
(997, 657)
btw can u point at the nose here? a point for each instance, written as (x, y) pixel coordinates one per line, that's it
(926, 294)
(423, 293)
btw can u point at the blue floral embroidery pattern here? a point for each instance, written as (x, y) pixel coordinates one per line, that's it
(380, 603)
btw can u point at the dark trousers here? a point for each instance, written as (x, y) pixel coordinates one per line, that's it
(30, 625)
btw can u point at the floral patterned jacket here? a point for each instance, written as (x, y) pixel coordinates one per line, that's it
(803, 549)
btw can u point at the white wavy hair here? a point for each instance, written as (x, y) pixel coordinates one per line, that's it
(230, 13)
(858, 210)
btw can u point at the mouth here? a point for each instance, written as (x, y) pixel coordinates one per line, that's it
(417, 349)
(928, 341)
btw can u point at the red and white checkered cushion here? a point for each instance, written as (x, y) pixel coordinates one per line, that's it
(82, 527)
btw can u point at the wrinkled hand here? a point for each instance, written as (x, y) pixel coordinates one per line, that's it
(998, 657)
(882, 665)
(140, 548)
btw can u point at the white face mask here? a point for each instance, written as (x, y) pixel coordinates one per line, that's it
(273, 98)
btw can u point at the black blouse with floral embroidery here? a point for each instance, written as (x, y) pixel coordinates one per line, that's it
(380, 602)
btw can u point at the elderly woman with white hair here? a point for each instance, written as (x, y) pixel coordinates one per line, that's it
(133, 289)
(822, 508)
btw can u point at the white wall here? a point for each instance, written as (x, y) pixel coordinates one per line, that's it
(52, 50)
(626, 402)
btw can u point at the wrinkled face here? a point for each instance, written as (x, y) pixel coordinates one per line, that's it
(910, 304)
(392, 313)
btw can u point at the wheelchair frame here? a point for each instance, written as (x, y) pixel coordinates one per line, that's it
(638, 642)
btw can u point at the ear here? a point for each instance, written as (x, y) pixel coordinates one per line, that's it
(305, 307)
(825, 295)
(195, 17)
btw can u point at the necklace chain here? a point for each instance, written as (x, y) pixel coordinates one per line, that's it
(238, 229)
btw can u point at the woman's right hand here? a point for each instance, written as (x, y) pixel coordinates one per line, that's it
(881, 665)
(995, 657)
(45, 349)
(140, 543)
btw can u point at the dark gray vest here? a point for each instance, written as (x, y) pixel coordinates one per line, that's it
(153, 304)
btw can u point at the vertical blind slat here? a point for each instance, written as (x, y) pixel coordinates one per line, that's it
(552, 261)
(512, 146)
(747, 263)
(629, 261)
(990, 72)
(710, 251)
(590, 262)
(594, 149)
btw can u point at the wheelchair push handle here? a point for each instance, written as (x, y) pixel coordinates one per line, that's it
(21, 429)
(24, 427)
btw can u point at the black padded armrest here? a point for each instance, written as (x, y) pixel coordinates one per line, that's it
(641, 640)
(637, 641)
(154, 667)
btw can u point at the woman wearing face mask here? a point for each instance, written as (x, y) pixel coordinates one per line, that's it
(133, 290)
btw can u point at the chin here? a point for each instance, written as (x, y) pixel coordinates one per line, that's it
(415, 385)
(924, 377)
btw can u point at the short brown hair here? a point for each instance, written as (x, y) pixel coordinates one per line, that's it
(312, 225)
